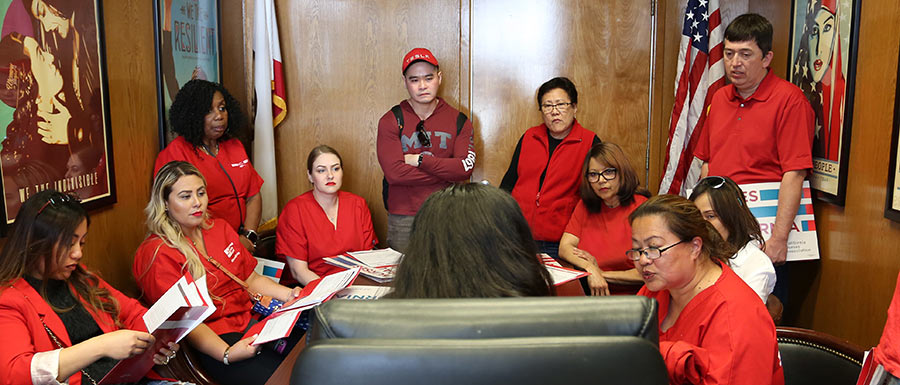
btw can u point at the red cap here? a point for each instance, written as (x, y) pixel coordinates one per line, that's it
(419, 54)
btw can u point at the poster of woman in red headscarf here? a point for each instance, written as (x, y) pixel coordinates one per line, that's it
(823, 61)
(54, 119)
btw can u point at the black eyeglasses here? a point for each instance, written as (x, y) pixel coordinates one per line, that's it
(58, 200)
(420, 133)
(652, 253)
(608, 175)
(561, 107)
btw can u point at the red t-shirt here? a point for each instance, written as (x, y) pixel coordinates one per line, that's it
(760, 138)
(605, 235)
(305, 233)
(888, 351)
(723, 336)
(156, 271)
(231, 156)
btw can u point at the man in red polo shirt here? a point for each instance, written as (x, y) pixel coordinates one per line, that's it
(423, 145)
(759, 129)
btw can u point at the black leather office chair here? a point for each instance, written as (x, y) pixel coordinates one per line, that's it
(521, 361)
(487, 318)
(810, 357)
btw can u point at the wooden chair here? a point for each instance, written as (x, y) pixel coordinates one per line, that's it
(811, 357)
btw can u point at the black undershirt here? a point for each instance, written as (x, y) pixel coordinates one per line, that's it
(78, 322)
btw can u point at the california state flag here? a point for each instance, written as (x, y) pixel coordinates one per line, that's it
(271, 108)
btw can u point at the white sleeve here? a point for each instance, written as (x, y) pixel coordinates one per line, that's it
(45, 368)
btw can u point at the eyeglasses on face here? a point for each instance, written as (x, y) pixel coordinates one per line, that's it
(652, 253)
(420, 133)
(608, 175)
(561, 107)
(58, 200)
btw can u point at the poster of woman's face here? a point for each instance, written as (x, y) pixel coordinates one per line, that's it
(822, 64)
(54, 120)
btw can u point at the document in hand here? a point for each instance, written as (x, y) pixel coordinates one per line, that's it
(279, 324)
(378, 274)
(561, 275)
(181, 309)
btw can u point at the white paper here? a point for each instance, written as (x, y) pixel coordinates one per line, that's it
(277, 327)
(170, 301)
(200, 285)
(561, 275)
(327, 286)
(378, 258)
(363, 292)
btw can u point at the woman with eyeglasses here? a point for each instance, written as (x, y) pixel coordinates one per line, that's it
(184, 239)
(721, 202)
(62, 323)
(324, 221)
(207, 118)
(713, 329)
(598, 233)
(543, 174)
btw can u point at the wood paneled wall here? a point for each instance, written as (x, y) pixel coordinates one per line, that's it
(342, 67)
(116, 231)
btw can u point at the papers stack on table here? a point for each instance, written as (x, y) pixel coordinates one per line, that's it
(377, 265)
(558, 273)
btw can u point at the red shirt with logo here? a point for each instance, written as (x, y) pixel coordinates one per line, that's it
(233, 158)
(158, 266)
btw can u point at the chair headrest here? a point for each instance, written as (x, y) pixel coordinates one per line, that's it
(487, 318)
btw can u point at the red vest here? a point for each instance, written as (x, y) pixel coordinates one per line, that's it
(548, 206)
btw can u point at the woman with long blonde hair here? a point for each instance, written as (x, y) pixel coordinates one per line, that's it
(183, 239)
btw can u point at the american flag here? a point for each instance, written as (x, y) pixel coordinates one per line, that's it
(701, 73)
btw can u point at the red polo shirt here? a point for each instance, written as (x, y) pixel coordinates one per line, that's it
(760, 138)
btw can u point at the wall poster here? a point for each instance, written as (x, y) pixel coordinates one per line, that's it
(824, 36)
(187, 47)
(54, 119)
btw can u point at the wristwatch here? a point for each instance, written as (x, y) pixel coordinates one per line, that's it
(420, 160)
(251, 235)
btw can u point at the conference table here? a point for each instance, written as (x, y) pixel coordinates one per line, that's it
(282, 375)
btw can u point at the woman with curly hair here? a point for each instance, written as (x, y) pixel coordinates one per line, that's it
(206, 118)
(61, 322)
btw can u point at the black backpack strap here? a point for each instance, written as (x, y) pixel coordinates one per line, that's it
(460, 122)
(398, 114)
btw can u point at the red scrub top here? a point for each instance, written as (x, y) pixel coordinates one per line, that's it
(888, 351)
(158, 266)
(233, 158)
(723, 336)
(606, 235)
(305, 233)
